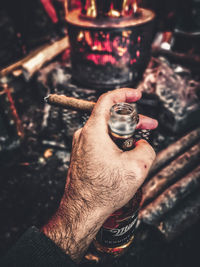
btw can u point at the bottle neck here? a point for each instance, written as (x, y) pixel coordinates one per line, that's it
(123, 120)
(117, 136)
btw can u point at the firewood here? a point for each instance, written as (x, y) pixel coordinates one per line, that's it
(36, 59)
(171, 152)
(168, 200)
(49, 52)
(171, 173)
(17, 65)
(185, 59)
(185, 215)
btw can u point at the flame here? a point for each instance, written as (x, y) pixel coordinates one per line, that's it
(80, 36)
(102, 47)
(135, 6)
(129, 7)
(101, 59)
(113, 13)
(91, 10)
(66, 7)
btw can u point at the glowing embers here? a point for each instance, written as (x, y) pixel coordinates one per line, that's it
(119, 48)
(109, 8)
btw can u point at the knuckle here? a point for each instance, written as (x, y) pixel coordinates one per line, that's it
(103, 96)
(77, 132)
(107, 95)
(76, 135)
(85, 130)
(150, 152)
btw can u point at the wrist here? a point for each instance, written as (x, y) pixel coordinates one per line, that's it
(74, 226)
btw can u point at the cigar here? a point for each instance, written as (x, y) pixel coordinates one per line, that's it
(70, 102)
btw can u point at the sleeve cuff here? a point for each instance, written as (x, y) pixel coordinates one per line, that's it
(35, 249)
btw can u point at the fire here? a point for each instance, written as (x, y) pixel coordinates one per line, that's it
(90, 8)
(113, 13)
(102, 48)
(129, 7)
(111, 8)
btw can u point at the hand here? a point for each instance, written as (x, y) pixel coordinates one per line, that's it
(101, 177)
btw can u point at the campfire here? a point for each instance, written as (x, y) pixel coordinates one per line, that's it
(110, 42)
(108, 45)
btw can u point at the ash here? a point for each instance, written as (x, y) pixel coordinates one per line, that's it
(178, 94)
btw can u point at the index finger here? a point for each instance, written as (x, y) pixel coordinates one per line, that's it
(106, 101)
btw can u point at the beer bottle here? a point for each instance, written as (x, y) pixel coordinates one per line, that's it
(117, 233)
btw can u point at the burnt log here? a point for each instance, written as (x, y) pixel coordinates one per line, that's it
(49, 52)
(36, 59)
(18, 65)
(185, 215)
(177, 92)
(156, 210)
(180, 58)
(171, 152)
(171, 173)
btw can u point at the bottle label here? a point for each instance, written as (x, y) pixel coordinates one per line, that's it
(128, 144)
(120, 235)
(124, 144)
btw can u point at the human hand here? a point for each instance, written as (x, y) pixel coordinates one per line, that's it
(101, 177)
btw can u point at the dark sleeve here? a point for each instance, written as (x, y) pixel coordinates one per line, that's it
(35, 249)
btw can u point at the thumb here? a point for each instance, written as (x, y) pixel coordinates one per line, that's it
(143, 155)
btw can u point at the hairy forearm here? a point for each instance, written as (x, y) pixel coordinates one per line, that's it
(75, 224)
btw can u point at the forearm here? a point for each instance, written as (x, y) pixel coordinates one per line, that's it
(75, 224)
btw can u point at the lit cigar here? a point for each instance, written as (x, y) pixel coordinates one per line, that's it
(70, 102)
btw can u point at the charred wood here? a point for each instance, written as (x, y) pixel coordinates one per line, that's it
(49, 52)
(168, 200)
(185, 215)
(171, 173)
(180, 58)
(36, 59)
(171, 152)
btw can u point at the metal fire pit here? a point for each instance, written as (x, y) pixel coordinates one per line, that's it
(109, 52)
